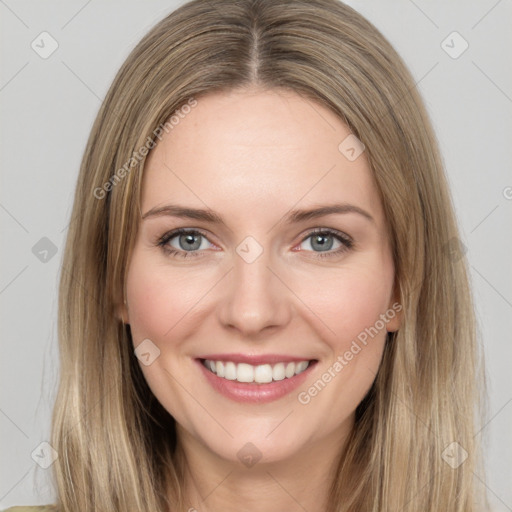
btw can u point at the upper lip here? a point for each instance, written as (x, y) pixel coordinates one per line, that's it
(255, 359)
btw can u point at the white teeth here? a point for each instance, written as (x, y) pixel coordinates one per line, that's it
(300, 367)
(263, 373)
(290, 370)
(230, 371)
(245, 373)
(278, 371)
(260, 374)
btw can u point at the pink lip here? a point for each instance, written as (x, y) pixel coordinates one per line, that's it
(255, 359)
(253, 392)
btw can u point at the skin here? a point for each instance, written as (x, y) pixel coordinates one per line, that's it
(251, 156)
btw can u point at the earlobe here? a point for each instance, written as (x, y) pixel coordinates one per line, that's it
(394, 313)
(395, 317)
(121, 313)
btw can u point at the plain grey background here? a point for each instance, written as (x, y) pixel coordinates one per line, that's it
(47, 109)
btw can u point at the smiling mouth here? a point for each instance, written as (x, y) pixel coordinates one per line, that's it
(259, 374)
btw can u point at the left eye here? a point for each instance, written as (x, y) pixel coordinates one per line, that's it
(327, 241)
(321, 241)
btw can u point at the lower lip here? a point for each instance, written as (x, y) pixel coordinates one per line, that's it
(253, 392)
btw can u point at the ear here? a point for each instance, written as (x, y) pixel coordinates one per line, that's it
(394, 312)
(121, 312)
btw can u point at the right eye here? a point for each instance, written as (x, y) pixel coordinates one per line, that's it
(183, 242)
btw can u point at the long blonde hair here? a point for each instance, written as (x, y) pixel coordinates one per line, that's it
(116, 443)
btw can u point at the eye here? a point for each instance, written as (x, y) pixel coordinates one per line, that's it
(183, 243)
(323, 240)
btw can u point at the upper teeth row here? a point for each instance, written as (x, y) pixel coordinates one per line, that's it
(261, 374)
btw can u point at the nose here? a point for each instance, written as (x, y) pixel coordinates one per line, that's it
(255, 297)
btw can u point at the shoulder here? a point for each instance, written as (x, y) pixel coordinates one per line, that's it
(40, 508)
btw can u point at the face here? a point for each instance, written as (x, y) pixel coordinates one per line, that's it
(260, 323)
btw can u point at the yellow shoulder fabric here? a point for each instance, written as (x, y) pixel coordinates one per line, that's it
(41, 508)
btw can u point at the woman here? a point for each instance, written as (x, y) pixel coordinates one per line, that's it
(263, 305)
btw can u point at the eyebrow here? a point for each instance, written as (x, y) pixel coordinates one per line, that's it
(294, 216)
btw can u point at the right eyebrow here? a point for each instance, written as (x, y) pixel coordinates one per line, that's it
(185, 213)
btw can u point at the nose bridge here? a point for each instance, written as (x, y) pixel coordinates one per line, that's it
(255, 298)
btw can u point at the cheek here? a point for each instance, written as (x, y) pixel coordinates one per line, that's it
(159, 299)
(351, 306)
(350, 302)
(150, 312)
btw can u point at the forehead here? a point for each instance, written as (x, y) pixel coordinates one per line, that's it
(258, 152)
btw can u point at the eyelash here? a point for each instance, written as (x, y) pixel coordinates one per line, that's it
(346, 241)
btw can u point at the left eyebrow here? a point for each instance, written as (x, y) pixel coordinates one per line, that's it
(294, 216)
(313, 213)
